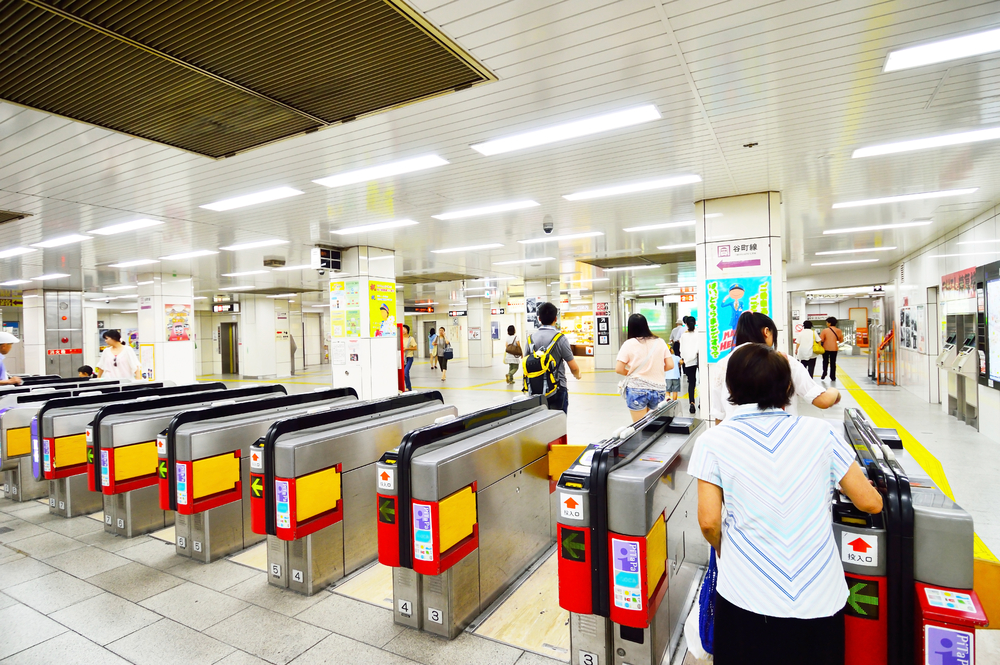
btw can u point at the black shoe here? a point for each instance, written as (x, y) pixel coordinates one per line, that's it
(691, 409)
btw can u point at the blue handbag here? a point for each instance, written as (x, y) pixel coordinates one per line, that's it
(448, 352)
(706, 601)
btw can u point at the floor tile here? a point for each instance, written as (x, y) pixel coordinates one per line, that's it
(22, 570)
(105, 618)
(295, 636)
(465, 648)
(110, 542)
(169, 643)
(66, 649)
(86, 562)
(6, 601)
(194, 605)
(256, 590)
(353, 618)
(241, 658)
(23, 628)
(531, 658)
(340, 649)
(7, 555)
(77, 526)
(135, 581)
(48, 544)
(34, 513)
(218, 575)
(153, 553)
(20, 530)
(52, 592)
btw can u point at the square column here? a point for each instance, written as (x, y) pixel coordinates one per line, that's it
(739, 269)
(265, 346)
(33, 335)
(480, 342)
(606, 329)
(166, 328)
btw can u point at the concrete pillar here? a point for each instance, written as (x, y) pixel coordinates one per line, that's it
(166, 328)
(480, 344)
(738, 261)
(363, 341)
(606, 329)
(33, 335)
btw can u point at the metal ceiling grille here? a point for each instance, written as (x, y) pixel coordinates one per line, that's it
(434, 277)
(218, 78)
(10, 216)
(659, 258)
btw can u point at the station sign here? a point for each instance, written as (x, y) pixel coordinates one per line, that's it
(496, 311)
(457, 312)
(233, 307)
(427, 309)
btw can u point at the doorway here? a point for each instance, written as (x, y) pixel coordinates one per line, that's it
(229, 347)
(429, 327)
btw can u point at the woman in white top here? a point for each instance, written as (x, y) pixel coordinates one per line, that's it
(643, 359)
(804, 340)
(689, 357)
(118, 360)
(508, 357)
(757, 328)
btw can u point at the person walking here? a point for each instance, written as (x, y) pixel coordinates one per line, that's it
(442, 347)
(780, 579)
(830, 338)
(409, 347)
(557, 346)
(430, 345)
(512, 354)
(689, 357)
(7, 342)
(673, 375)
(675, 334)
(804, 352)
(118, 360)
(757, 328)
(643, 360)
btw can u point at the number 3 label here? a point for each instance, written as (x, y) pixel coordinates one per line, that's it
(587, 658)
(437, 616)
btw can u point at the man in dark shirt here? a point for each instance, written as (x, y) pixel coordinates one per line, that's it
(561, 351)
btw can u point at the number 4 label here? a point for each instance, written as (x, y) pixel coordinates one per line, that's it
(405, 608)
(297, 575)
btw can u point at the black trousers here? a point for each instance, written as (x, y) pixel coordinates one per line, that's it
(810, 366)
(746, 638)
(830, 359)
(692, 376)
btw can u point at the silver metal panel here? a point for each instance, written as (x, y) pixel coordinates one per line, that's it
(451, 599)
(68, 421)
(277, 562)
(217, 532)
(73, 497)
(316, 561)
(589, 639)
(407, 598)
(110, 513)
(943, 540)
(124, 429)
(485, 457)
(138, 512)
(654, 643)
(21, 483)
(360, 517)
(182, 535)
(249, 537)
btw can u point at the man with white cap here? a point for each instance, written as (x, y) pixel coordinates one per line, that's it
(6, 342)
(675, 334)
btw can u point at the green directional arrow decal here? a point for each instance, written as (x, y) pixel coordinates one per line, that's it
(90, 455)
(386, 510)
(256, 487)
(572, 545)
(862, 598)
(162, 469)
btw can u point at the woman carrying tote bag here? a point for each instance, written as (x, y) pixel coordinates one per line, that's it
(512, 354)
(443, 351)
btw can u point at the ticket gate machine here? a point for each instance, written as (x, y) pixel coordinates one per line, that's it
(965, 370)
(631, 551)
(59, 444)
(317, 479)
(463, 509)
(122, 460)
(207, 453)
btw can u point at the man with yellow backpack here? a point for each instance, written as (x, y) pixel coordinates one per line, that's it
(546, 351)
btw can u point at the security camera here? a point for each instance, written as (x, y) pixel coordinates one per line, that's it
(321, 272)
(547, 224)
(108, 301)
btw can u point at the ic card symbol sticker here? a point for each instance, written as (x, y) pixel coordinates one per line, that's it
(435, 616)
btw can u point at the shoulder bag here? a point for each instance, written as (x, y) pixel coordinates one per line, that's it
(514, 348)
(817, 344)
(623, 384)
(448, 352)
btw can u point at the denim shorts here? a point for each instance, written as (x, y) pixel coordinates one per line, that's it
(638, 399)
(673, 385)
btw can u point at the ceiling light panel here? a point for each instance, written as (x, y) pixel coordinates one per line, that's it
(245, 273)
(657, 227)
(15, 282)
(237, 288)
(382, 171)
(487, 210)
(256, 244)
(471, 248)
(959, 138)
(16, 251)
(54, 275)
(683, 245)
(905, 197)
(879, 227)
(965, 46)
(287, 268)
(520, 261)
(189, 255)
(123, 287)
(252, 199)
(644, 266)
(283, 295)
(132, 264)
(60, 241)
(570, 236)
(134, 225)
(862, 250)
(378, 226)
(569, 130)
(645, 186)
(843, 263)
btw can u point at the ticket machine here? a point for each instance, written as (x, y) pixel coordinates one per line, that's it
(965, 369)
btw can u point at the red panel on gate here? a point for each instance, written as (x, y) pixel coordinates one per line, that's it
(637, 614)
(574, 560)
(258, 507)
(866, 632)
(387, 516)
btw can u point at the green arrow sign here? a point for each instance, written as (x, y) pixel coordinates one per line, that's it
(90, 455)
(573, 547)
(256, 487)
(862, 593)
(163, 469)
(386, 510)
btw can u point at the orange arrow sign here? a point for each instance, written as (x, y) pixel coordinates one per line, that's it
(570, 503)
(255, 458)
(384, 476)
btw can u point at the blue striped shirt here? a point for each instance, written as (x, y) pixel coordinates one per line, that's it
(777, 473)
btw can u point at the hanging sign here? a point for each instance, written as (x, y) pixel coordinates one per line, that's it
(738, 259)
(959, 285)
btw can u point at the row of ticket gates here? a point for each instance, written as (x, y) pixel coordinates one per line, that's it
(462, 508)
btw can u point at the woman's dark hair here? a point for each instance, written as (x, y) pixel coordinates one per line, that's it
(638, 327)
(757, 374)
(676, 348)
(510, 330)
(547, 313)
(807, 325)
(832, 320)
(690, 321)
(407, 328)
(750, 325)
(85, 369)
(113, 334)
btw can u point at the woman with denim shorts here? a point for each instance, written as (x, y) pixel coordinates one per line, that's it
(643, 360)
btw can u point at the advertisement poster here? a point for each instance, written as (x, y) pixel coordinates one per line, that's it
(382, 308)
(494, 330)
(907, 329)
(531, 308)
(345, 308)
(146, 361)
(959, 285)
(178, 321)
(993, 327)
(726, 299)
(132, 337)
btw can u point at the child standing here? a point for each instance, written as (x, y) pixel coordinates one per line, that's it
(673, 376)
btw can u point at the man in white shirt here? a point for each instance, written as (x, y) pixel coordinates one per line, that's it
(675, 334)
(804, 353)
(6, 342)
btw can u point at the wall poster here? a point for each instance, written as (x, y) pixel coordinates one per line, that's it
(531, 309)
(958, 285)
(345, 308)
(911, 328)
(382, 308)
(993, 327)
(147, 361)
(178, 322)
(725, 300)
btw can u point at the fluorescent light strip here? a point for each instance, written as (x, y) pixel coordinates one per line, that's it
(644, 186)
(905, 197)
(855, 251)
(841, 263)
(189, 255)
(125, 226)
(487, 210)
(582, 281)
(54, 275)
(245, 273)
(252, 199)
(977, 242)
(201, 297)
(932, 142)
(643, 266)
(683, 245)
(129, 311)
(713, 214)
(382, 171)
(256, 244)
(132, 264)
(283, 295)
(326, 305)
(944, 50)
(123, 287)
(15, 282)
(236, 288)
(144, 283)
(880, 227)
(378, 226)
(16, 251)
(571, 236)
(471, 248)
(520, 261)
(946, 256)
(381, 258)
(285, 268)
(569, 130)
(60, 241)
(655, 227)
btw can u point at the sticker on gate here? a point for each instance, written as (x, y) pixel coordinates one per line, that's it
(47, 461)
(628, 583)
(182, 495)
(570, 506)
(283, 507)
(105, 469)
(387, 479)
(950, 600)
(256, 460)
(947, 646)
(161, 445)
(423, 539)
(859, 549)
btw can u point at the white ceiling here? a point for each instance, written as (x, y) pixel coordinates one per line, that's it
(803, 80)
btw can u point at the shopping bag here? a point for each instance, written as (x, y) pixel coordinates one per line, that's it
(706, 603)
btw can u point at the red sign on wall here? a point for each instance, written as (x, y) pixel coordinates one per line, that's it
(959, 285)
(64, 352)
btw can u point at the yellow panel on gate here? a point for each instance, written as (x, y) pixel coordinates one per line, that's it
(457, 514)
(136, 460)
(18, 441)
(656, 553)
(316, 493)
(561, 458)
(70, 450)
(214, 474)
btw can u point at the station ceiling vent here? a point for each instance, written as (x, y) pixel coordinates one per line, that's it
(661, 258)
(434, 277)
(219, 78)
